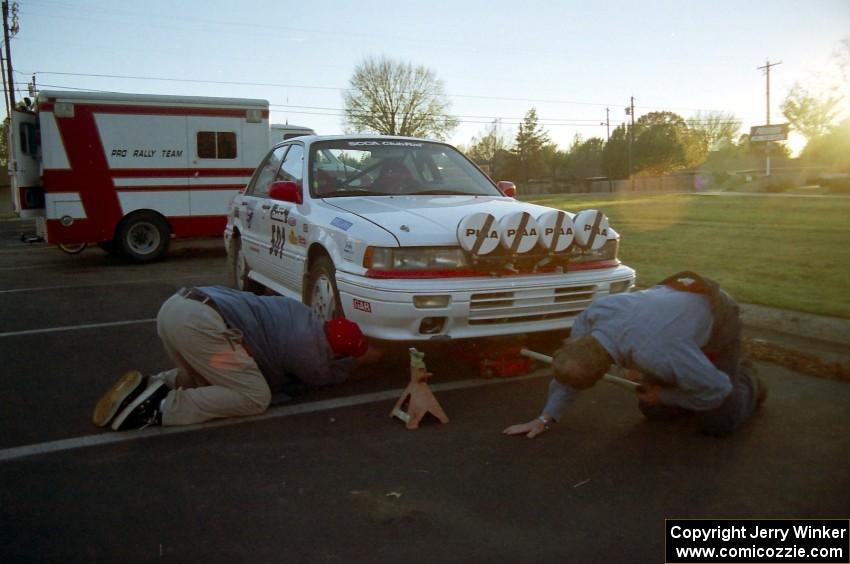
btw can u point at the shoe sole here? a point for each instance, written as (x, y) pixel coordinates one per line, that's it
(116, 397)
(148, 392)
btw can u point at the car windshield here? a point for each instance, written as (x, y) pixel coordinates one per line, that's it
(375, 167)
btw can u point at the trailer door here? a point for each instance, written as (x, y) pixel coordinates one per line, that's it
(216, 170)
(25, 164)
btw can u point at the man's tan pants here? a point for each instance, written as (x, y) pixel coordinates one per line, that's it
(215, 376)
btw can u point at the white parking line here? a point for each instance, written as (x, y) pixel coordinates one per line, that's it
(30, 245)
(108, 438)
(40, 266)
(96, 285)
(75, 327)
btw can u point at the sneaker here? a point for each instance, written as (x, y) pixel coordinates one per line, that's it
(144, 410)
(124, 391)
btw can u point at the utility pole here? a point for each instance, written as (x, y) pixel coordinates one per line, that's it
(767, 146)
(630, 111)
(7, 32)
(608, 140)
(3, 72)
(607, 124)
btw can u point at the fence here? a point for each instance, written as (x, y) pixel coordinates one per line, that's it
(672, 183)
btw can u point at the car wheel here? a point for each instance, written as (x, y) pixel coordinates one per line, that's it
(144, 237)
(239, 269)
(322, 294)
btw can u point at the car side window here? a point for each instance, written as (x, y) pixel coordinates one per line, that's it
(266, 173)
(293, 165)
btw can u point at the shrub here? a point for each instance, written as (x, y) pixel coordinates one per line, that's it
(839, 185)
(779, 186)
(720, 176)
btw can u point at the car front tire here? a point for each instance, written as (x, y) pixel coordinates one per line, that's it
(322, 293)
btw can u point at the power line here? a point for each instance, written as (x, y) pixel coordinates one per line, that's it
(339, 89)
(461, 118)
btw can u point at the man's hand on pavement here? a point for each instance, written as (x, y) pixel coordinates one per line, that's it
(530, 429)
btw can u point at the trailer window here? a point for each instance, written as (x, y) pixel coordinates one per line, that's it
(216, 145)
(29, 143)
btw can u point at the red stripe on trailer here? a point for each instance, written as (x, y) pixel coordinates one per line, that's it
(81, 231)
(86, 230)
(179, 172)
(154, 110)
(89, 174)
(179, 188)
(197, 226)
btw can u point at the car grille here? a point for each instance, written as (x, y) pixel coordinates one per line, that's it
(523, 306)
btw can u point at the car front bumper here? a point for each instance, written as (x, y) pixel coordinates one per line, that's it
(476, 306)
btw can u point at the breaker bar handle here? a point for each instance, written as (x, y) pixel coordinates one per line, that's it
(622, 382)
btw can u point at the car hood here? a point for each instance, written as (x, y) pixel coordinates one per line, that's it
(428, 220)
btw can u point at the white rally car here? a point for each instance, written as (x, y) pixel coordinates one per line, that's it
(412, 241)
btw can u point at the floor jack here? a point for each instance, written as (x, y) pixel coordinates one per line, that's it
(418, 400)
(516, 361)
(494, 359)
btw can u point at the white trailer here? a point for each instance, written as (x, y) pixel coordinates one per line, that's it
(130, 171)
(283, 131)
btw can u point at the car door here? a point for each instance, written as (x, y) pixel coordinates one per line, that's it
(255, 210)
(286, 221)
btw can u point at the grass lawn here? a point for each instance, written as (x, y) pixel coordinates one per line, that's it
(786, 252)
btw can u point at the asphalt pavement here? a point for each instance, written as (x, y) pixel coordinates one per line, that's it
(330, 477)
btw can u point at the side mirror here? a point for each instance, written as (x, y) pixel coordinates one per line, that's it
(507, 188)
(287, 191)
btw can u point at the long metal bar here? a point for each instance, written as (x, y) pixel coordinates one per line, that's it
(622, 382)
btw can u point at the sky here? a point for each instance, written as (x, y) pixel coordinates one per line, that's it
(496, 58)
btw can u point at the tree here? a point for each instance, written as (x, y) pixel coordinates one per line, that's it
(491, 149)
(831, 149)
(585, 158)
(720, 128)
(554, 160)
(528, 144)
(615, 154)
(809, 113)
(664, 143)
(4, 142)
(841, 60)
(394, 98)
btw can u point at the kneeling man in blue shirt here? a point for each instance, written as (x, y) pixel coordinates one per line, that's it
(683, 336)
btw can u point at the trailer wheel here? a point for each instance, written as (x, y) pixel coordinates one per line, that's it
(73, 248)
(239, 269)
(144, 236)
(107, 247)
(322, 293)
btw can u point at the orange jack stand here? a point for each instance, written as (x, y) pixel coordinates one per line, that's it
(418, 396)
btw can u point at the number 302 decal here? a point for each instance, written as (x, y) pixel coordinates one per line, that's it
(278, 241)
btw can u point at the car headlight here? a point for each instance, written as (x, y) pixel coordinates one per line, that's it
(414, 258)
(608, 251)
